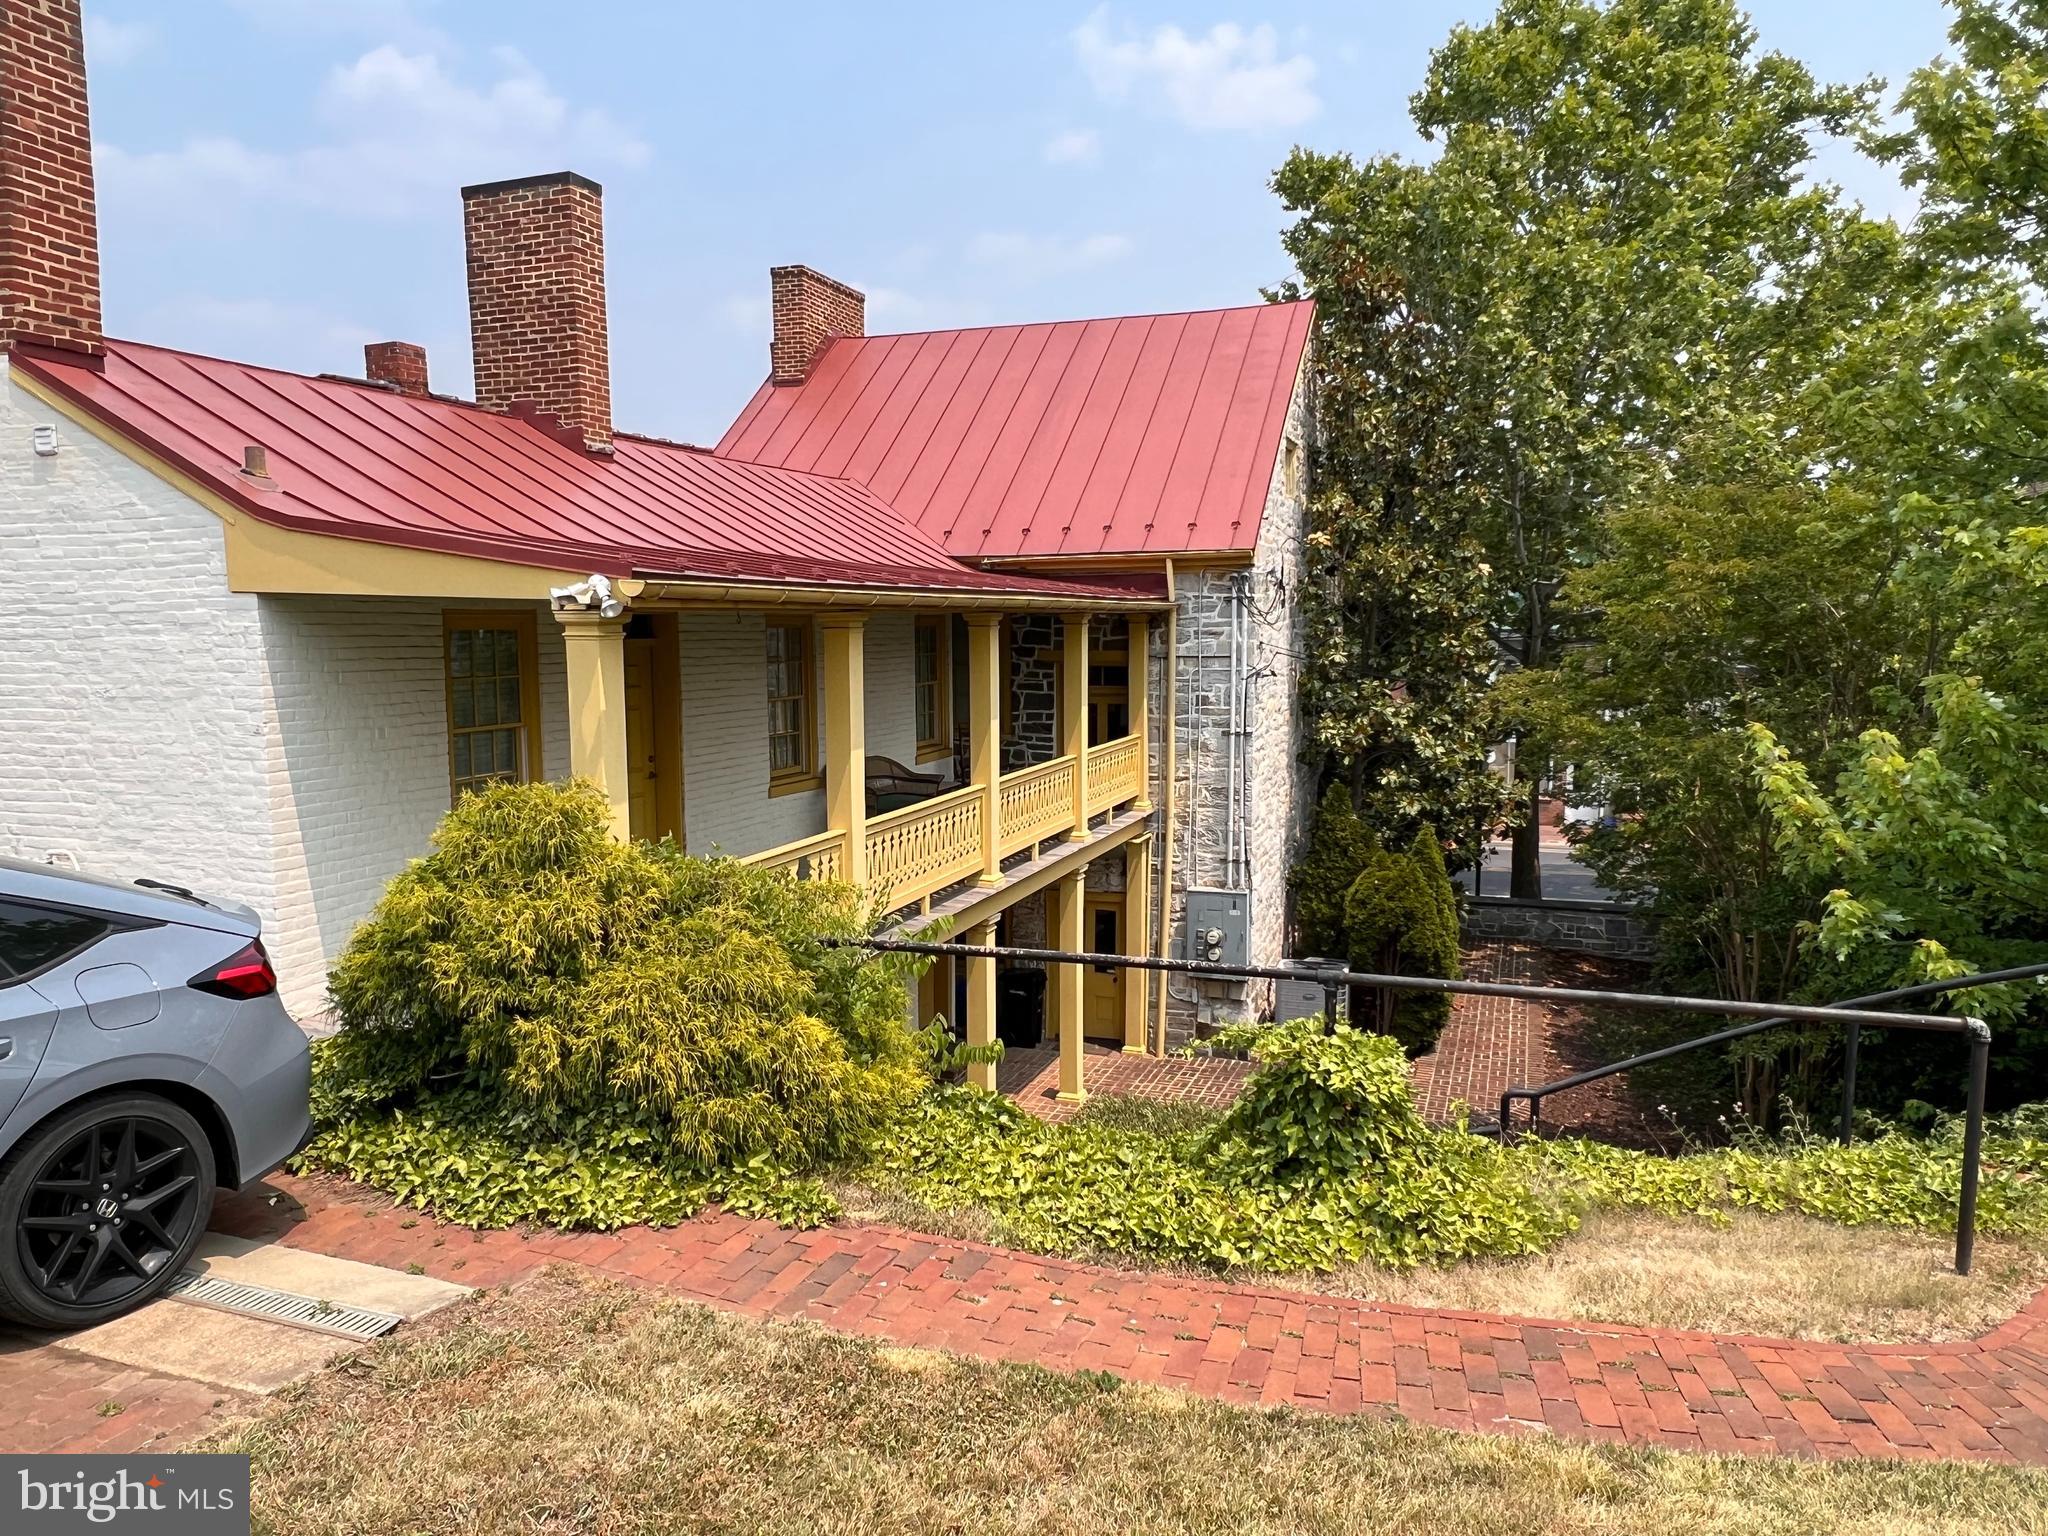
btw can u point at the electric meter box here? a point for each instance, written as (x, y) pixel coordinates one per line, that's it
(1219, 926)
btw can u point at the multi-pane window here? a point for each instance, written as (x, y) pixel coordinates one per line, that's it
(489, 675)
(790, 735)
(931, 687)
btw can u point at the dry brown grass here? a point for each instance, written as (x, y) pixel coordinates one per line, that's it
(572, 1405)
(1784, 1276)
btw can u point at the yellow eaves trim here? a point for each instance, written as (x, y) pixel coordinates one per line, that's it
(263, 557)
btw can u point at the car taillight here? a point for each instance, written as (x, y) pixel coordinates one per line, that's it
(245, 974)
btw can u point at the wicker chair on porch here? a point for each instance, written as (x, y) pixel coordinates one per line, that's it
(891, 786)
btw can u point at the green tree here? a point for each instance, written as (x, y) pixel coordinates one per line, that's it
(1339, 846)
(1594, 258)
(1399, 595)
(1401, 919)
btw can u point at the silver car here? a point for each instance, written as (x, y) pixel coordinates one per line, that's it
(145, 1059)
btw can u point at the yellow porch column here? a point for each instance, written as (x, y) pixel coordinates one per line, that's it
(1141, 711)
(594, 652)
(1069, 899)
(1137, 937)
(1074, 712)
(846, 737)
(981, 1004)
(985, 733)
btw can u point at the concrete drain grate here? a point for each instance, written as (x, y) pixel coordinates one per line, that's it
(281, 1306)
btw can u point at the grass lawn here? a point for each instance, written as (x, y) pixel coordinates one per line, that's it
(572, 1404)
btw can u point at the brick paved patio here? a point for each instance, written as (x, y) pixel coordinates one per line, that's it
(1032, 1078)
(1982, 1400)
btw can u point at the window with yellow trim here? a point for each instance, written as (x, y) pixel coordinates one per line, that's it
(932, 687)
(792, 707)
(493, 700)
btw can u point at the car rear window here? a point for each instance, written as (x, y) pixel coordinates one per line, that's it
(35, 938)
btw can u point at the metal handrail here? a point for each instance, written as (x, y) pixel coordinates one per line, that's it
(1767, 1016)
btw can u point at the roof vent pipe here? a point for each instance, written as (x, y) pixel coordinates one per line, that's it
(255, 462)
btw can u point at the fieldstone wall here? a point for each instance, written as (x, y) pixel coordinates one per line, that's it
(1273, 792)
(1582, 927)
(1031, 735)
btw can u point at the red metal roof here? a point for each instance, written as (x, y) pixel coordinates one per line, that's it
(360, 462)
(1145, 434)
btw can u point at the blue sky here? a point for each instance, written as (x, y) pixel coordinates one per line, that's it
(278, 178)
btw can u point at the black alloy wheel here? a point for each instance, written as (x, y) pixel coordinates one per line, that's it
(107, 1203)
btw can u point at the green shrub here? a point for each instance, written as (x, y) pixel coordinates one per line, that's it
(1324, 1162)
(1339, 845)
(1891, 1180)
(545, 969)
(1401, 919)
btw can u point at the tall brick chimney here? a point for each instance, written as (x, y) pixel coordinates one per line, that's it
(401, 364)
(810, 309)
(49, 232)
(536, 299)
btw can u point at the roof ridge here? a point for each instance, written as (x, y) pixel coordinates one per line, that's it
(1020, 325)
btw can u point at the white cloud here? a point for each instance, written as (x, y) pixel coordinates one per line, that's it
(406, 133)
(110, 43)
(1031, 258)
(1077, 146)
(1230, 77)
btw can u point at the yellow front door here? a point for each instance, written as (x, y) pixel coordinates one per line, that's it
(654, 797)
(1102, 992)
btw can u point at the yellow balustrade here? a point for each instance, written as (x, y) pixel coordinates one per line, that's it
(1116, 773)
(925, 847)
(1037, 803)
(826, 854)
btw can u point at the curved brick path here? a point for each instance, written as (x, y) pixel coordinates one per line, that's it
(1986, 1399)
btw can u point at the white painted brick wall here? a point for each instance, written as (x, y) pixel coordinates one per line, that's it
(357, 759)
(726, 807)
(131, 691)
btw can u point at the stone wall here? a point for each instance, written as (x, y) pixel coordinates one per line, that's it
(1582, 927)
(1269, 791)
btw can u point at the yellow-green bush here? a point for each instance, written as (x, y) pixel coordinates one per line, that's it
(533, 957)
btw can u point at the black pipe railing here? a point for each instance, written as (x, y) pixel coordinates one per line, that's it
(1853, 1013)
(1765, 1015)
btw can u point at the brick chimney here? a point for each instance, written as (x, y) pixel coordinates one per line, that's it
(536, 299)
(49, 233)
(401, 364)
(810, 309)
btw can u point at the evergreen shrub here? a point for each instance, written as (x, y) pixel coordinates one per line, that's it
(691, 1009)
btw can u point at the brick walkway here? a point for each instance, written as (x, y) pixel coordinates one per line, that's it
(1983, 1400)
(1032, 1078)
(54, 1400)
(1490, 1044)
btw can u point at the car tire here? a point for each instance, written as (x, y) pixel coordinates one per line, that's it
(100, 1207)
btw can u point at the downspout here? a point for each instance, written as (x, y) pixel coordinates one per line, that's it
(1160, 932)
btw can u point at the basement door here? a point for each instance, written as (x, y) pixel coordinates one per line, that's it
(1102, 990)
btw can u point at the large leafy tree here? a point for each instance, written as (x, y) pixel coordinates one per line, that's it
(1590, 262)
(1399, 597)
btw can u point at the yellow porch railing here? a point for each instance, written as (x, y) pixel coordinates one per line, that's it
(1116, 773)
(826, 853)
(925, 847)
(1037, 803)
